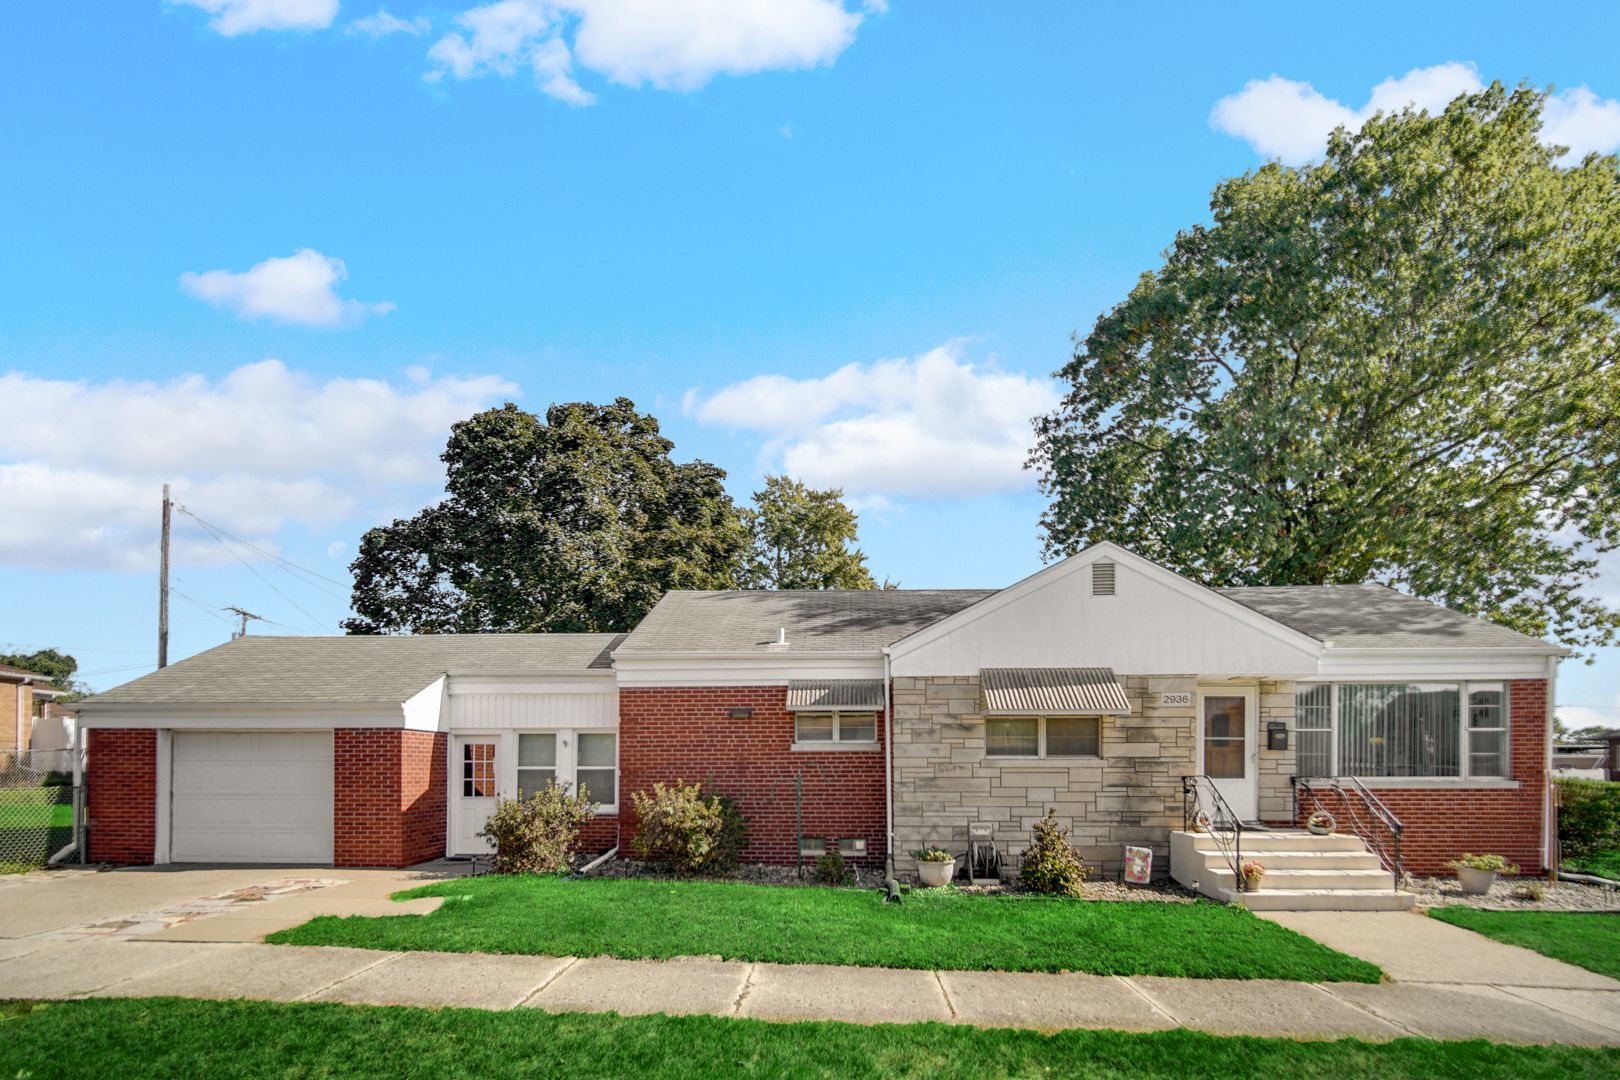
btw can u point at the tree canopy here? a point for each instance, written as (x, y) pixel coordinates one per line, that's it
(576, 522)
(802, 538)
(1397, 365)
(52, 662)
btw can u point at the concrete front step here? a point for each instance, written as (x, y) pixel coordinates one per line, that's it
(1276, 880)
(1385, 899)
(1280, 840)
(1309, 860)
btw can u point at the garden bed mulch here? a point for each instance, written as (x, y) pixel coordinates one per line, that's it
(1517, 894)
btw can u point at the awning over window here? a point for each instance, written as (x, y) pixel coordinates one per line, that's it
(835, 694)
(1089, 690)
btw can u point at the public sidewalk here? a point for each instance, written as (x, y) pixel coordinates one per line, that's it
(1446, 982)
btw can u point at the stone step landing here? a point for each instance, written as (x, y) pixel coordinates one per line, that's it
(1303, 872)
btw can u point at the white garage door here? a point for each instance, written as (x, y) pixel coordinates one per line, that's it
(251, 797)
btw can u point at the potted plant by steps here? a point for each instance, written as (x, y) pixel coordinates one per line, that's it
(1320, 823)
(1253, 872)
(1477, 873)
(935, 866)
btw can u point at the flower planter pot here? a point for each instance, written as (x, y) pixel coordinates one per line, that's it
(1475, 882)
(1322, 825)
(1251, 882)
(934, 874)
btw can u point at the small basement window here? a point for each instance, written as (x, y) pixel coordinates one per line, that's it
(1043, 736)
(852, 846)
(835, 727)
(812, 845)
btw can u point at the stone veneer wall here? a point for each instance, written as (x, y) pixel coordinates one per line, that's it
(1131, 794)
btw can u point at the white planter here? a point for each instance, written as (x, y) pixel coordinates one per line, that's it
(1475, 882)
(933, 874)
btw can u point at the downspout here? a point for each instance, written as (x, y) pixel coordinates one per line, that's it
(22, 684)
(888, 764)
(1549, 840)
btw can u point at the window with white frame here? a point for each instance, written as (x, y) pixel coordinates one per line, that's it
(1042, 736)
(835, 727)
(1402, 730)
(592, 765)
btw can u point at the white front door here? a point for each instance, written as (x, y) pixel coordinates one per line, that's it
(475, 779)
(1228, 746)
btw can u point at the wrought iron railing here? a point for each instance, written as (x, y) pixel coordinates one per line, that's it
(1372, 821)
(1204, 810)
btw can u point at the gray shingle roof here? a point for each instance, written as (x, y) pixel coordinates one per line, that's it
(1376, 617)
(1053, 690)
(352, 670)
(816, 620)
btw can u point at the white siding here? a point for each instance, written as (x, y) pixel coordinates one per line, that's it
(480, 712)
(1155, 623)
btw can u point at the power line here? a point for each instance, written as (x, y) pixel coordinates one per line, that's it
(282, 562)
(251, 569)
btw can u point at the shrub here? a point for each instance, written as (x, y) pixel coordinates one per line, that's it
(830, 868)
(692, 830)
(1533, 891)
(1588, 817)
(932, 854)
(1051, 864)
(534, 835)
(1483, 862)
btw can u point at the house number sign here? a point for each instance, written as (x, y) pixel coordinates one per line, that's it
(1173, 700)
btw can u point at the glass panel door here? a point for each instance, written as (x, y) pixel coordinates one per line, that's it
(1226, 749)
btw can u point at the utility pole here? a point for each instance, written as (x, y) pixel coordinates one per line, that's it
(163, 586)
(245, 616)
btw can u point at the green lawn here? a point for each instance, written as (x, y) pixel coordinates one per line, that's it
(163, 1037)
(933, 928)
(1604, 864)
(34, 824)
(1588, 939)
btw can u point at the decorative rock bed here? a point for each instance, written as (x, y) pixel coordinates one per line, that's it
(1517, 894)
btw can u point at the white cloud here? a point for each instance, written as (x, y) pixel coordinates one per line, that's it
(930, 426)
(254, 451)
(1291, 121)
(668, 44)
(300, 289)
(232, 17)
(1583, 122)
(383, 24)
(336, 549)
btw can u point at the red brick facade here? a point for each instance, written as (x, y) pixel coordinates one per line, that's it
(121, 795)
(389, 796)
(669, 733)
(1441, 823)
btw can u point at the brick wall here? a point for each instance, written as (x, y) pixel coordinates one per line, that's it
(669, 733)
(389, 791)
(121, 795)
(1441, 823)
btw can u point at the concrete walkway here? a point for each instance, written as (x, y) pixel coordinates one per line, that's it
(1445, 987)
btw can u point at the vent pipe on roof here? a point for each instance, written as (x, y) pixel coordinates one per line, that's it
(781, 642)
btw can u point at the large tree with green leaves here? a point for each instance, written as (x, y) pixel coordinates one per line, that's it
(1398, 365)
(579, 521)
(52, 662)
(803, 538)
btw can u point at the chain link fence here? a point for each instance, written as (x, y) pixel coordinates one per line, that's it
(36, 807)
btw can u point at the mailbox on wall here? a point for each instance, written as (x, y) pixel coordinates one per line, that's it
(1276, 735)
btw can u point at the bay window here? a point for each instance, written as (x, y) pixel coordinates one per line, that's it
(1402, 730)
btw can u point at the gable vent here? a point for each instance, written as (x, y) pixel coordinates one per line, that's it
(1102, 579)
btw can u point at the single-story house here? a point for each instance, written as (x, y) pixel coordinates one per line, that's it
(874, 722)
(19, 689)
(1581, 761)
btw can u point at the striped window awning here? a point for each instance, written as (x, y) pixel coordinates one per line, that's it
(1092, 691)
(835, 694)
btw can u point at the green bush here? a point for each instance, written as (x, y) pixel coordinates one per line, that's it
(692, 830)
(535, 835)
(1588, 817)
(1051, 865)
(830, 868)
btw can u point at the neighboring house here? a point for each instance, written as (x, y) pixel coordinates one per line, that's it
(1581, 761)
(1611, 756)
(903, 717)
(19, 688)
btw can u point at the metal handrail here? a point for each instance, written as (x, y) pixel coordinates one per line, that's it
(1390, 857)
(1192, 790)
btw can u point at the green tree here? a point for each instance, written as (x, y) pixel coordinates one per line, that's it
(1398, 365)
(803, 538)
(580, 521)
(53, 662)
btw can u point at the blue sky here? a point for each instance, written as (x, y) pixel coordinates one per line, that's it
(850, 241)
